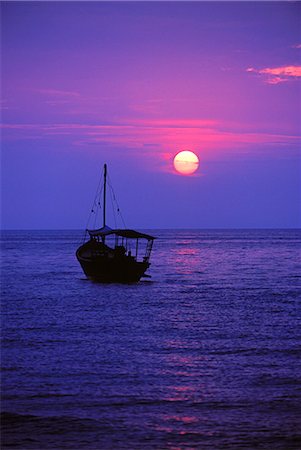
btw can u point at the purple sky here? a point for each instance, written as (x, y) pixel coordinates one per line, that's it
(132, 84)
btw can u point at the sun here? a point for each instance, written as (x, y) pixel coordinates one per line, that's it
(186, 162)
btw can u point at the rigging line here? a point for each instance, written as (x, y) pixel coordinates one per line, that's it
(98, 207)
(112, 204)
(98, 193)
(112, 199)
(117, 205)
(83, 238)
(89, 218)
(121, 216)
(119, 210)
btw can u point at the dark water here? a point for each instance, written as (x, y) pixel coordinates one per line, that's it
(205, 356)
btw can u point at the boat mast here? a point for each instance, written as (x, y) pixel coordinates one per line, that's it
(104, 193)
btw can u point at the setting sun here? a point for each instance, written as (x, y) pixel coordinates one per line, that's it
(186, 162)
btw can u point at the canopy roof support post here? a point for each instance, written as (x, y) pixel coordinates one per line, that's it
(149, 249)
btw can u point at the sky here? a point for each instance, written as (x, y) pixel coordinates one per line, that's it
(131, 84)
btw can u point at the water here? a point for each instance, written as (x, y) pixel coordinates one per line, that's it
(206, 355)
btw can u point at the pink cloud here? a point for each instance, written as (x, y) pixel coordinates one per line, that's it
(152, 137)
(276, 75)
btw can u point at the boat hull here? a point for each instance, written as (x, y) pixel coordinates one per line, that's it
(109, 267)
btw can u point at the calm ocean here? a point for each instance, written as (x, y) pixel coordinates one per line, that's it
(204, 355)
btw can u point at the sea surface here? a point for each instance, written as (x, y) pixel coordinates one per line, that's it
(204, 355)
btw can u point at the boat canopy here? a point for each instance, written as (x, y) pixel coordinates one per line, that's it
(130, 234)
(104, 231)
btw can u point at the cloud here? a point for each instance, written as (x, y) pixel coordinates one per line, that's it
(276, 75)
(58, 97)
(58, 93)
(151, 137)
(4, 105)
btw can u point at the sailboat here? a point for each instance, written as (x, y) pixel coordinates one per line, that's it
(115, 255)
